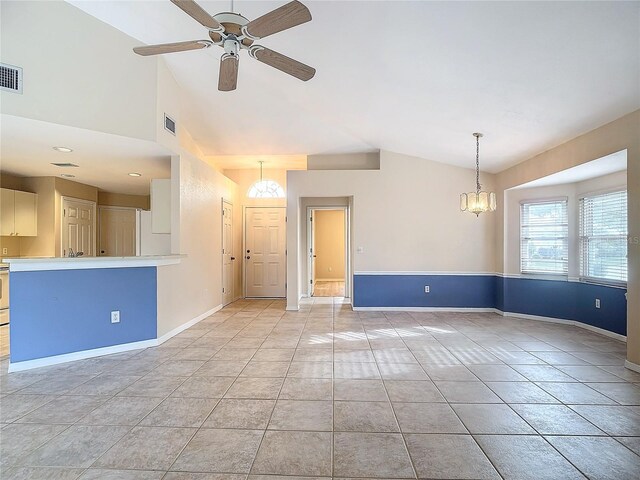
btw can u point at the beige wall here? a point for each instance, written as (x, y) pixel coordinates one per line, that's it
(613, 137)
(121, 200)
(406, 217)
(10, 181)
(350, 161)
(247, 177)
(329, 243)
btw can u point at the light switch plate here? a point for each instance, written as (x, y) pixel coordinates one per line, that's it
(115, 316)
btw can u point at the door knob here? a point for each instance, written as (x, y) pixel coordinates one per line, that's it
(233, 258)
(248, 251)
(248, 257)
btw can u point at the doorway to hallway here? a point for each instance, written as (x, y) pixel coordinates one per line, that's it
(328, 251)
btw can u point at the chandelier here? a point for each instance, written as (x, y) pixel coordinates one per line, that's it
(479, 201)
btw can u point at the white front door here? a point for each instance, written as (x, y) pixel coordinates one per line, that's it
(227, 253)
(78, 227)
(117, 232)
(265, 251)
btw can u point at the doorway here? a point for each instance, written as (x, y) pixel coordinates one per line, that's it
(328, 238)
(78, 227)
(117, 231)
(265, 252)
(227, 252)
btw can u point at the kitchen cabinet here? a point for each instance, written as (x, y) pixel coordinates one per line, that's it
(18, 213)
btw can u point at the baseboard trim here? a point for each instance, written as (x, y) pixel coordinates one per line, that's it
(426, 309)
(632, 366)
(99, 352)
(189, 324)
(81, 355)
(575, 323)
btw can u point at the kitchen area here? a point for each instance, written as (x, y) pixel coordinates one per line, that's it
(53, 217)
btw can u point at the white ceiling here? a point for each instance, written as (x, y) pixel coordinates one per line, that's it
(616, 162)
(411, 77)
(104, 160)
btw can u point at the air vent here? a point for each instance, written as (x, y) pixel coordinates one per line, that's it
(169, 124)
(65, 165)
(10, 78)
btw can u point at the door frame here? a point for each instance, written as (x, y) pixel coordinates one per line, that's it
(233, 276)
(99, 225)
(244, 248)
(347, 246)
(64, 198)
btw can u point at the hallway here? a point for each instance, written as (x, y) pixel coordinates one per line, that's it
(328, 392)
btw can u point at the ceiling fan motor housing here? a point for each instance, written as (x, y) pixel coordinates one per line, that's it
(231, 45)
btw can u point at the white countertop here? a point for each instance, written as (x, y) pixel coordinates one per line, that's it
(84, 263)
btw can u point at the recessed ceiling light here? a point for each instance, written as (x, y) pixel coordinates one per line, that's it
(134, 174)
(67, 175)
(63, 149)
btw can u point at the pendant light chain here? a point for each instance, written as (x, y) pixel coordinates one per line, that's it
(478, 164)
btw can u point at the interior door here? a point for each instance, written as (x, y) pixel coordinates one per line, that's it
(227, 253)
(265, 252)
(312, 255)
(78, 227)
(117, 232)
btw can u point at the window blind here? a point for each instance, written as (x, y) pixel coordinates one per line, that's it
(544, 237)
(603, 237)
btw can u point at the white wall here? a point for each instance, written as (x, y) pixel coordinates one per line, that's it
(194, 287)
(93, 78)
(406, 217)
(573, 192)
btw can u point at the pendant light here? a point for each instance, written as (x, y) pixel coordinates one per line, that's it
(265, 188)
(479, 201)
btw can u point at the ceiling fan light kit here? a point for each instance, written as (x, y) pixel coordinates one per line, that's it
(233, 33)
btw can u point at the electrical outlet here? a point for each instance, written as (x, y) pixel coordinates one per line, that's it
(426, 289)
(5, 251)
(115, 316)
(597, 303)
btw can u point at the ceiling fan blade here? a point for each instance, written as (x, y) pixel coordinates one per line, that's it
(287, 16)
(282, 62)
(198, 13)
(228, 79)
(171, 47)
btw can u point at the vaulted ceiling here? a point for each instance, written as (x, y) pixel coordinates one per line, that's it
(412, 77)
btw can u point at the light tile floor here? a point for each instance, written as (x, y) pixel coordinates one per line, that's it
(256, 392)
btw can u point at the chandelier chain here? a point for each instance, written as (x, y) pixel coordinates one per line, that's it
(478, 164)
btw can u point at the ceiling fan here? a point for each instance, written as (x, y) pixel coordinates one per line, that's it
(233, 32)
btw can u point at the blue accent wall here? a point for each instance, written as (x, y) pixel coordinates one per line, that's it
(461, 291)
(63, 311)
(547, 298)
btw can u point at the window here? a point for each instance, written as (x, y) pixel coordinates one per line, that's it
(603, 237)
(266, 189)
(544, 237)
